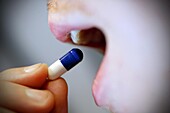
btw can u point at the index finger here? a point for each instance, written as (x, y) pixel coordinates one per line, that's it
(31, 76)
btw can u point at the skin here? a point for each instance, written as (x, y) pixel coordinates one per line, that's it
(133, 77)
(26, 91)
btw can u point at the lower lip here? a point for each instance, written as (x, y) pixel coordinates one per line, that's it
(98, 84)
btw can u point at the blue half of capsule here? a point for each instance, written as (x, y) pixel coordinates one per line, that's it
(72, 58)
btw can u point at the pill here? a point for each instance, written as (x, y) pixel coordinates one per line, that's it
(65, 63)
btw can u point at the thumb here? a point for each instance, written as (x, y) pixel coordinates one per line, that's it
(31, 76)
(59, 89)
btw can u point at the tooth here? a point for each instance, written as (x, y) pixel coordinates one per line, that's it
(75, 36)
(84, 37)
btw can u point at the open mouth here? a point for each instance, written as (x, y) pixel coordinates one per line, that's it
(90, 37)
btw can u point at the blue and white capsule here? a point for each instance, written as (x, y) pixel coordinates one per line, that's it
(65, 63)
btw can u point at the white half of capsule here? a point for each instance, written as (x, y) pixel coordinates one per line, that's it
(56, 70)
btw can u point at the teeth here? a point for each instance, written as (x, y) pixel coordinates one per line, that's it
(75, 36)
(84, 37)
(79, 37)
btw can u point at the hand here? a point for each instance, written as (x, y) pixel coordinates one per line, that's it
(26, 90)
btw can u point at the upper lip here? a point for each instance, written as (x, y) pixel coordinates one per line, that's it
(60, 31)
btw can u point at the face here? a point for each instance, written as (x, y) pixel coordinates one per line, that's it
(132, 35)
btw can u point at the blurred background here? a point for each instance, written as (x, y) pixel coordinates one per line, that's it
(26, 39)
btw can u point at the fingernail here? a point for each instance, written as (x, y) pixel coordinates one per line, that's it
(37, 95)
(32, 68)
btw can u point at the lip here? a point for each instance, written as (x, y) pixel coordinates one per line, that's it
(99, 87)
(60, 31)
